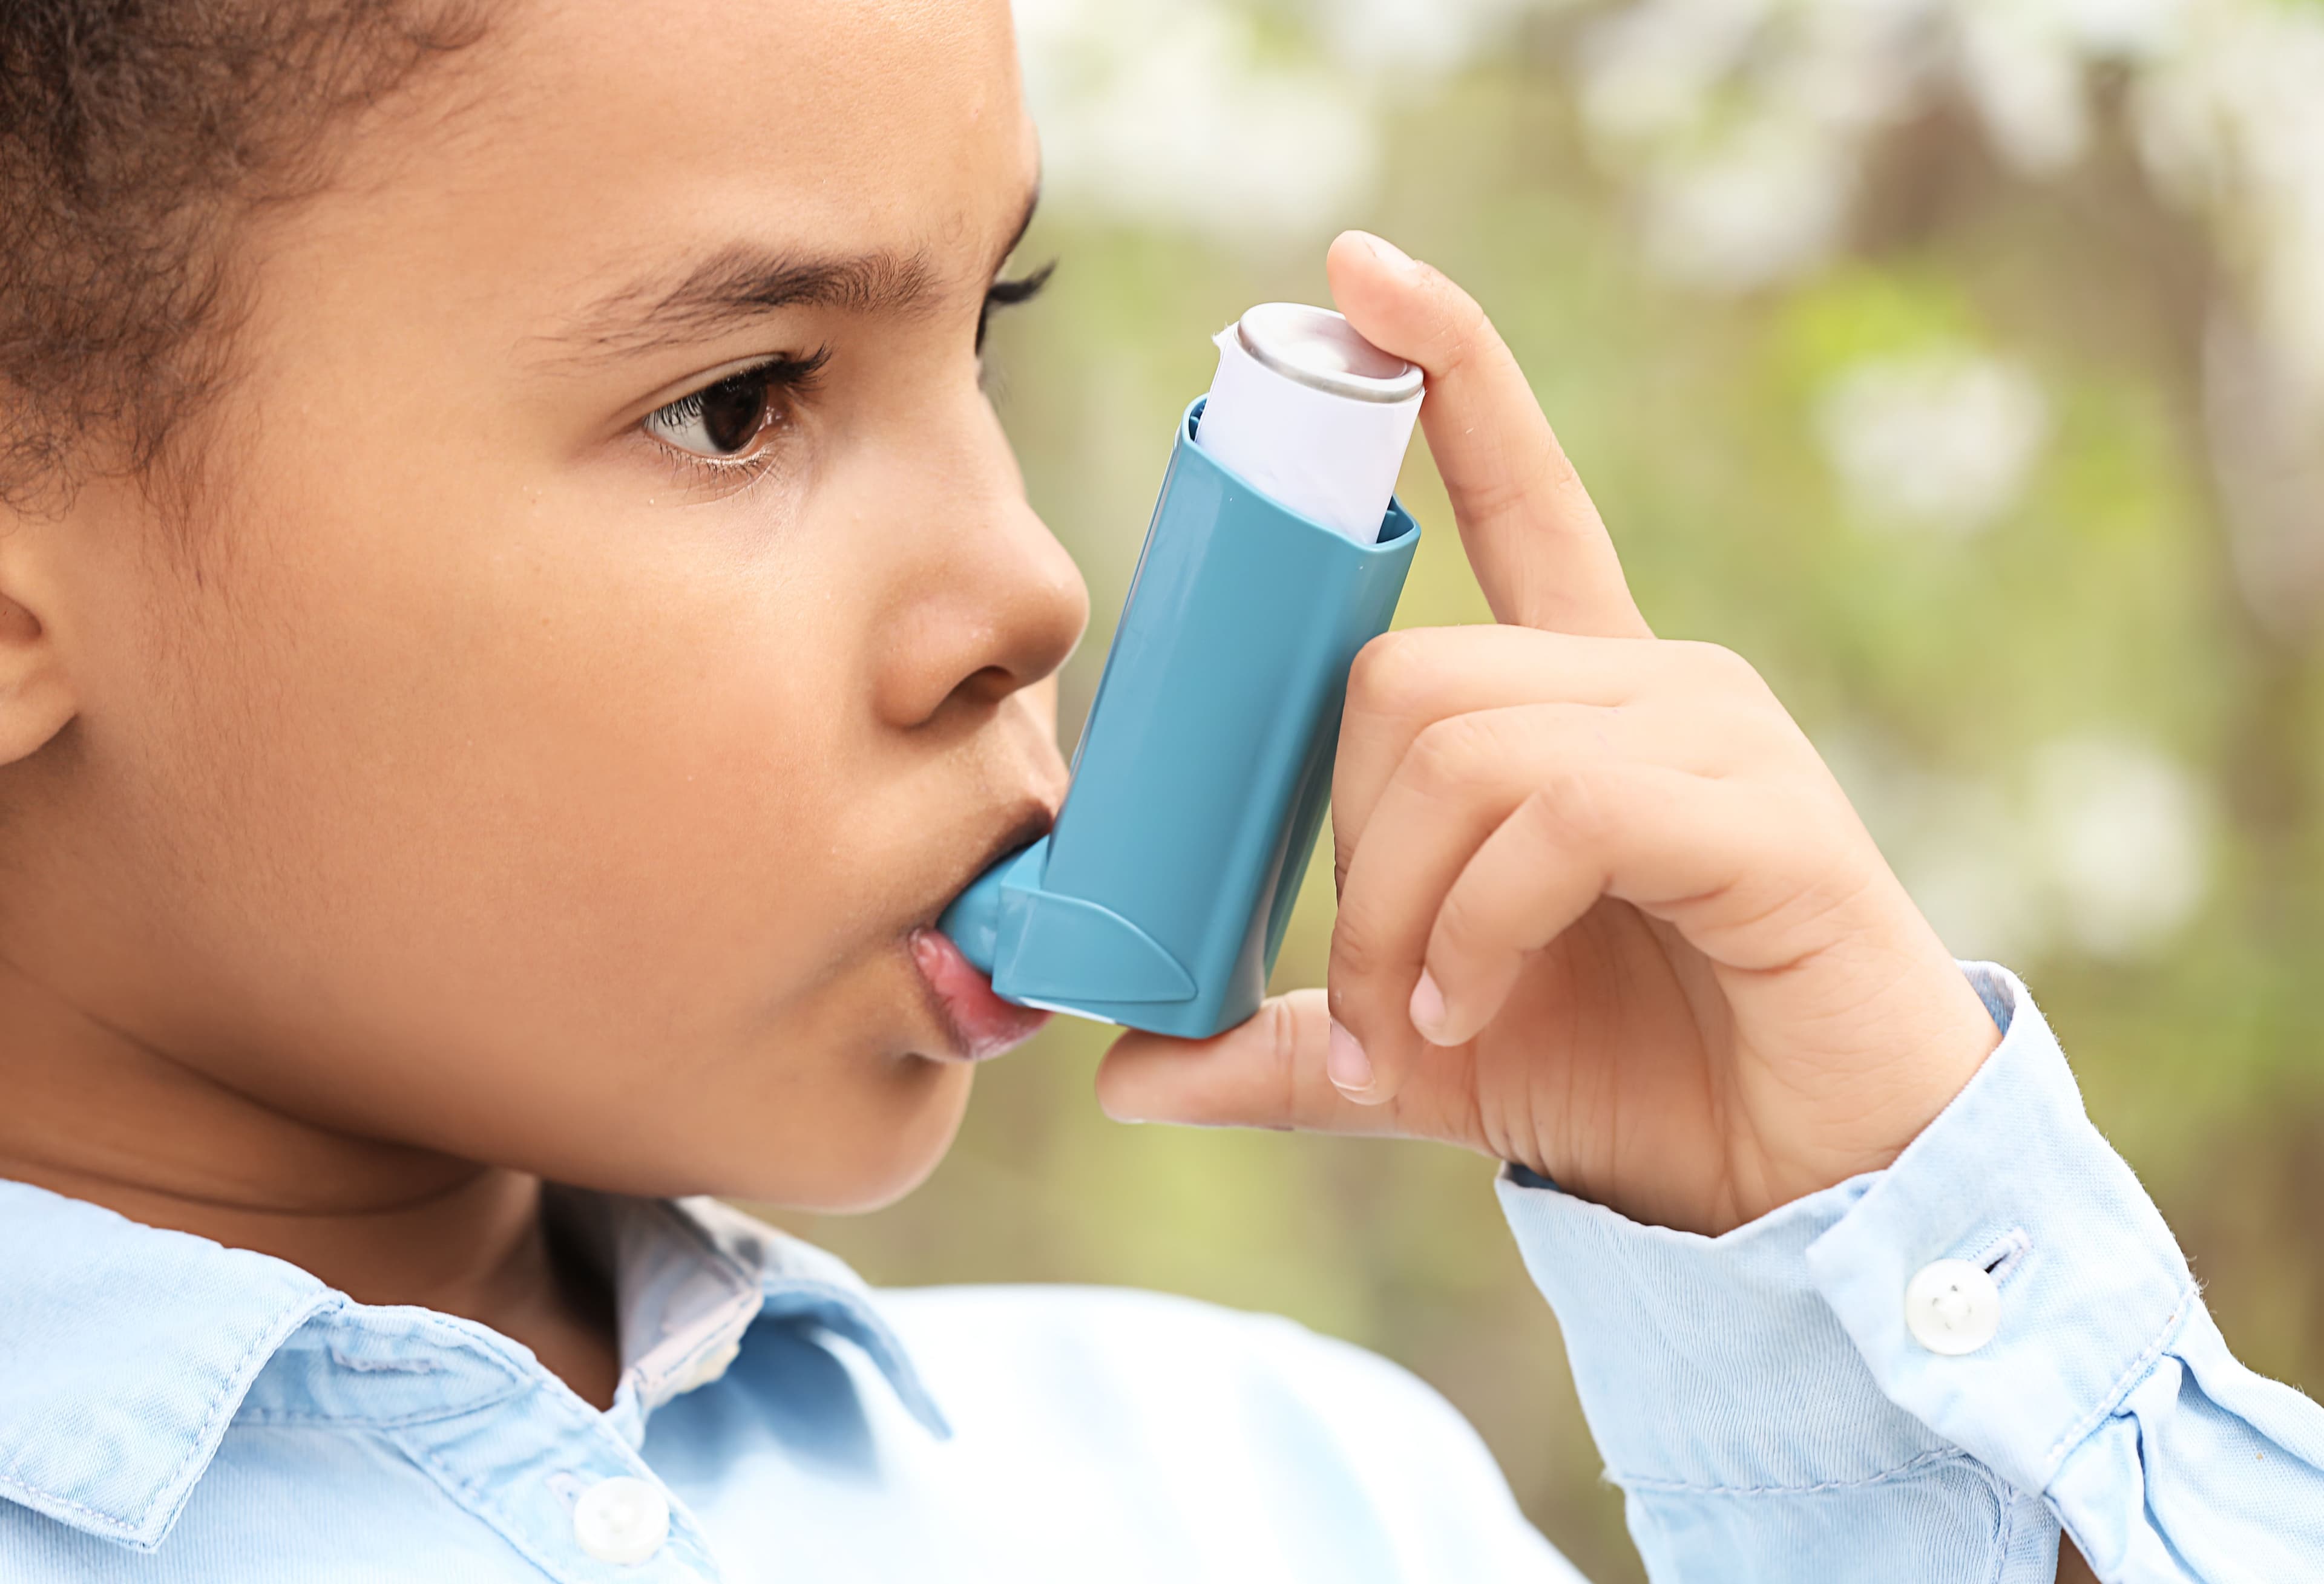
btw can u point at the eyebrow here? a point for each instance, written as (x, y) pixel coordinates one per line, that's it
(741, 283)
(747, 279)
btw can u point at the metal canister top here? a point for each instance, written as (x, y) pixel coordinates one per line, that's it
(1319, 348)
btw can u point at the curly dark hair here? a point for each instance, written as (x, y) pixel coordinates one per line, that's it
(133, 136)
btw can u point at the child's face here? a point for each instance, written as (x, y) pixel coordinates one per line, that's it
(490, 776)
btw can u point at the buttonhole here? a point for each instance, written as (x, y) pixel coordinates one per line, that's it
(2001, 1257)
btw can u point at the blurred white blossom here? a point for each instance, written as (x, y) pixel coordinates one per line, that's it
(1416, 36)
(1769, 204)
(1696, 94)
(2227, 97)
(1170, 114)
(1746, 156)
(2124, 830)
(1745, 122)
(2118, 30)
(1743, 127)
(1958, 843)
(1649, 71)
(2099, 844)
(2023, 71)
(2232, 123)
(1942, 439)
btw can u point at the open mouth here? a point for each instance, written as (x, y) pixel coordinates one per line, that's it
(982, 1024)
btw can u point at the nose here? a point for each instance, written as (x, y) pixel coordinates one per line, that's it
(991, 602)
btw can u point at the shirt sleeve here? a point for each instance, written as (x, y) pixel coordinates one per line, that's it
(1789, 1401)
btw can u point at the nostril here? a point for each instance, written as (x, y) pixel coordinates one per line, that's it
(988, 685)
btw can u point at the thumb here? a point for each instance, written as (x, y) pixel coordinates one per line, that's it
(1272, 1070)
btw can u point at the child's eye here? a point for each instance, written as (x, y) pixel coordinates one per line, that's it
(726, 420)
(1009, 294)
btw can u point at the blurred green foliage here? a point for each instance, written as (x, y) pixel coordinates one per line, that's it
(2102, 599)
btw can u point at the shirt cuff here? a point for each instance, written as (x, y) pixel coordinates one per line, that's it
(2013, 1178)
(1712, 1363)
(1780, 1357)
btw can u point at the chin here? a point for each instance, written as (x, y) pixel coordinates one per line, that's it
(865, 1161)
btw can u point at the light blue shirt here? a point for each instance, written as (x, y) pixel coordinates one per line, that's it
(172, 1410)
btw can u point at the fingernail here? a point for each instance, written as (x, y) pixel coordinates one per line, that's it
(1427, 1007)
(1387, 252)
(1345, 1064)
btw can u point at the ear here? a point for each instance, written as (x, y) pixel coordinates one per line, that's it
(36, 696)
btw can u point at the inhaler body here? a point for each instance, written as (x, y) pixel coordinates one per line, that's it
(1199, 788)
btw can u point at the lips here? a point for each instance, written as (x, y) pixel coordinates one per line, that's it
(982, 1024)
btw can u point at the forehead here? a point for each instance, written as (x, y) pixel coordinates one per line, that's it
(587, 140)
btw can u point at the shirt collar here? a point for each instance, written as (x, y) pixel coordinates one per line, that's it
(692, 1276)
(128, 1349)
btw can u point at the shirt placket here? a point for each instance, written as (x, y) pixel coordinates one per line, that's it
(547, 1471)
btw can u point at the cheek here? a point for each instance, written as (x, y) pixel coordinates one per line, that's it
(619, 758)
(594, 851)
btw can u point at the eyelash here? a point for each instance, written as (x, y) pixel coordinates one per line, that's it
(1009, 294)
(784, 381)
(790, 379)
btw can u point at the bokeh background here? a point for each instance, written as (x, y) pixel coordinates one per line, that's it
(1960, 362)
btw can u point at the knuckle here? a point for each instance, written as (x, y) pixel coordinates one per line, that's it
(1357, 951)
(1392, 674)
(1725, 670)
(1459, 323)
(1283, 1049)
(1462, 926)
(1539, 476)
(1343, 854)
(1569, 806)
(1468, 330)
(1445, 755)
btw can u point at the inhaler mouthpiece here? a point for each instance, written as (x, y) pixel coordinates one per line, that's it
(1313, 415)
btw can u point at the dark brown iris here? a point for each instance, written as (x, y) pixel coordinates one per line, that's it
(734, 411)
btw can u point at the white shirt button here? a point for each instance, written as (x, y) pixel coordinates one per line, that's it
(1952, 1307)
(622, 1519)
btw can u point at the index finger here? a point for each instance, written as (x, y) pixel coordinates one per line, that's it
(1539, 548)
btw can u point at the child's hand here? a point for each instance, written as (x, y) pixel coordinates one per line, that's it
(1603, 910)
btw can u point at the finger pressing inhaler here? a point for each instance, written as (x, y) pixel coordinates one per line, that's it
(1277, 552)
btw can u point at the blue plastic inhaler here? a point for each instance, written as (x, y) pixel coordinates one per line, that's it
(1160, 897)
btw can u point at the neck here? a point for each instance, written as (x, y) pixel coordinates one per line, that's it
(97, 1115)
